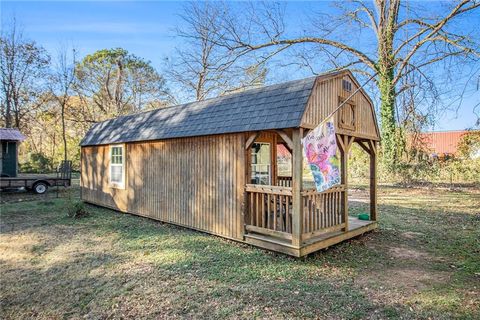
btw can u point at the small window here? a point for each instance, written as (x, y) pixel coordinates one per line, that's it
(347, 85)
(117, 166)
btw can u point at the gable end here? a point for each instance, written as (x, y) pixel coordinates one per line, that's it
(356, 118)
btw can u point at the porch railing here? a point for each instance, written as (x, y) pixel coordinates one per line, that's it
(269, 210)
(323, 211)
(284, 181)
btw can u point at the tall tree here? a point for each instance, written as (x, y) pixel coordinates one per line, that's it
(200, 66)
(406, 39)
(23, 66)
(117, 82)
(61, 86)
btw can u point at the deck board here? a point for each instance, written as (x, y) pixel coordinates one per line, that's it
(356, 227)
(353, 224)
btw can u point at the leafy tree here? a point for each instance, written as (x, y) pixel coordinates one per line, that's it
(38, 163)
(469, 145)
(113, 82)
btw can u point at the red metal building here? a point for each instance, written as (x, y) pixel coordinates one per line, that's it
(440, 143)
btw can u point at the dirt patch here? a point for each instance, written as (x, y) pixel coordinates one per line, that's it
(404, 253)
(397, 286)
(412, 235)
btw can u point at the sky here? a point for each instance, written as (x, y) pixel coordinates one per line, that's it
(146, 29)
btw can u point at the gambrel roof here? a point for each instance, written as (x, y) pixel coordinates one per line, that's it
(277, 106)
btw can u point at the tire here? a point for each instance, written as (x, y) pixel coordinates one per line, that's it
(40, 187)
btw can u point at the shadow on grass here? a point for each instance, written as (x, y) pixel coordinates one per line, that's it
(271, 278)
(151, 269)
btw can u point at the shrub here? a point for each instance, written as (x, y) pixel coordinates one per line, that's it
(469, 146)
(416, 170)
(77, 209)
(38, 163)
(433, 171)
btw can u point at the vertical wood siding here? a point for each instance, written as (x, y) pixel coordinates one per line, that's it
(194, 182)
(325, 98)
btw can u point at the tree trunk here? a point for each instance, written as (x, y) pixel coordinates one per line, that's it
(17, 118)
(387, 116)
(386, 74)
(64, 136)
(8, 113)
(119, 88)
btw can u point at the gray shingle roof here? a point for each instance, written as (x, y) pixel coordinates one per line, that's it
(272, 107)
(11, 134)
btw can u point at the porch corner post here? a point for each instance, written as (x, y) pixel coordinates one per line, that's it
(343, 177)
(344, 149)
(373, 180)
(297, 186)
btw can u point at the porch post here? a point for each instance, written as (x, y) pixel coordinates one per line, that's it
(343, 179)
(345, 143)
(342, 170)
(373, 180)
(297, 182)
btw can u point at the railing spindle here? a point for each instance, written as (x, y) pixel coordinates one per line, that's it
(334, 212)
(287, 214)
(251, 209)
(268, 212)
(269, 207)
(257, 203)
(275, 198)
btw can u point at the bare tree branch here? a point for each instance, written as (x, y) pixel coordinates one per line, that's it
(402, 48)
(204, 67)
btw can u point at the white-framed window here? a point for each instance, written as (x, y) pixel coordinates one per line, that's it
(261, 163)
(117, 166)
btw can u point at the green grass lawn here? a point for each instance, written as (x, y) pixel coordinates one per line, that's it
(423, 262)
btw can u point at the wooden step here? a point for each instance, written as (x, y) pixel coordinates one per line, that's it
(270, 243)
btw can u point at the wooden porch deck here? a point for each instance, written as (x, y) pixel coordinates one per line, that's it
(356, 227)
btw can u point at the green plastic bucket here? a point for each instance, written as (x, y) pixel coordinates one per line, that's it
(364, 216)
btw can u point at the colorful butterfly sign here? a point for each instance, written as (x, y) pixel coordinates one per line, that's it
(320, 150)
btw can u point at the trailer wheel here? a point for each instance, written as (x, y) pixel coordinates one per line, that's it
(40, 187)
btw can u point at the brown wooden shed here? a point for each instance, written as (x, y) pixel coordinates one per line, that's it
(212, 165)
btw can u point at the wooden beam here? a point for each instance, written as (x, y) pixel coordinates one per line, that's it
(306, 132)
(272, 244)
(364, 146)
(373, 182)
(373, 146)
(269, 232)
(340, 142)
(268, 189)
(345, 142)
(251, 139)
(297, 177)
(348, 142)
(285, 138)
(336, 238)
(316, 233)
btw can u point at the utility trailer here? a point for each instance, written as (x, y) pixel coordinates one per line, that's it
(39, 183)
